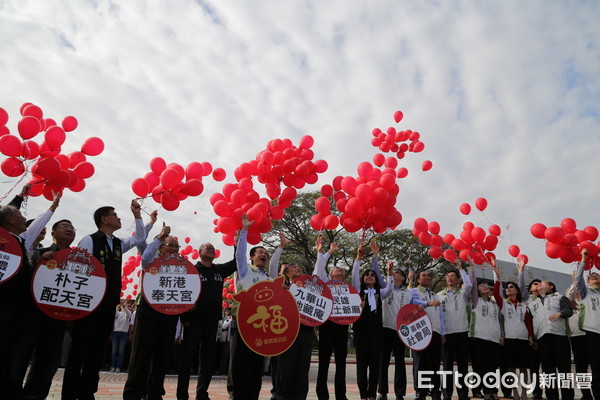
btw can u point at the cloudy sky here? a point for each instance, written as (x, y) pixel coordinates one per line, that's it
(506, 96)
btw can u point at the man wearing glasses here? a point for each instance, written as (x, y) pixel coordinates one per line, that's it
(201, 323)
(91, 333)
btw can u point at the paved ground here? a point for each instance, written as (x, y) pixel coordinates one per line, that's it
(111, 384)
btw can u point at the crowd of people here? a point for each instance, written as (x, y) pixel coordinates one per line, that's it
(509, 327)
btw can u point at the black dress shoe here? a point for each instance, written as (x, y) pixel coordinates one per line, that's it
(382, 396)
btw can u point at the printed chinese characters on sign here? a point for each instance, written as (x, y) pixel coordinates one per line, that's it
(346, 303)
(10, 255)
(69, 286)
(313, 298)
(171, 284)
(268, 318)
(414, 327)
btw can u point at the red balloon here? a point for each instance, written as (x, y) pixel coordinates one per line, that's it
(33, 111)
(418, 146)
(481, 204)
(398, 116)
(193, 187)
(306, 142)
(28, 127)
(92, 146)
(317, 223)
(321, 166)
(426, 166)
(490, 243)
(140, 187)
(69, 123)
(365, 169)
(46, 167)
(465, 208)
(378, 159)
(327, 190)
(425, 238)
(494, 230)
(592, 232)
(568, 225)
(31, 150)
(219, 174)
(570, 239)
(4, 130)
(207, 168)
(60, 179)
(179, 169)
(55, 137)
(12, 167)
(514, 250)
(554, 235)
(330, 222)
(169, 201)
(421, 225)
(76, 157)
(322, 205)
(84, 170)
(524, 258)
(478, 234)
(450, 255)
(194, 170)
(402, 172)
(538, 230)
(158, 165)
(435, 252)
(434, 227)
(277, 213)
(468, 226)
(169, 178)
(449, 238)
(3, 116)
(10, 145)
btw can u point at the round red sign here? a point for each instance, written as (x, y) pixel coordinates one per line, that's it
(171, 284)
(414, 327)
(10, 255)
(268, 318)
(347, 305)
(70, 285)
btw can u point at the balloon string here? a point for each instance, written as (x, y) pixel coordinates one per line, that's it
(23, 176)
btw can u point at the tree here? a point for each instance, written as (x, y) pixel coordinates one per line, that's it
(398, 245)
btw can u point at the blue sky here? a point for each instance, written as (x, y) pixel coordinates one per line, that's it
(505, 95)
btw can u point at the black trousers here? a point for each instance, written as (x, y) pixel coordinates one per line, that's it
(486, 358)
(150, 356)
(392, 343)
(593, 351)
(333, 338)
(293, 367)
(89, 338)
(198, 338)
(580, 355)
(368, 344)
(428, 361)
(534, 368)
(456, 349)
(246, 370)
(11, 322)
(555, 355)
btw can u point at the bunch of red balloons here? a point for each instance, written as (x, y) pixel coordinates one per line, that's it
(399, 142)
(282, 168)
(566, 241)
(228, 292)
(52, 171)
(367, 201)
(132, 271)
(171, 184)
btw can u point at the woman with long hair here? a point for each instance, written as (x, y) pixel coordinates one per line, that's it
(368, 330)
(518, 331)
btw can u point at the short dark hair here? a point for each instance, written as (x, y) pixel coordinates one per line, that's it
(553, 287)
(253, 250)
(5, 212)
(519, 295)
(100, 213)
(532, 282)
(60, 222)
(453, 271)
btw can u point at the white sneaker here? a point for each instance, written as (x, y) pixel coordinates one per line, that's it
(111, 370)
(118, 370)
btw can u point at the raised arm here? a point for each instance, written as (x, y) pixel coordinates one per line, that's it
(39, 224)
(385, 292)
(147, 228)
(474, 292)
(240, 250)
(274, 263)
(375, 263)
(356, 268)
(468, 285)
(579, 282)
(150, 253)
(140, 232)
(497, 284)
(521, 279)
(321, 261)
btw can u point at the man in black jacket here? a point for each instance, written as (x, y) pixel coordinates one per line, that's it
(200, 324)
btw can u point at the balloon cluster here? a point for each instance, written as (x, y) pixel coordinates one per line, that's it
(165, 183)
(282, 168)
(566, 241)
(399, 142)
(130, 277)
(368, 201)
(473, 243)
(228, 292)
(52, 171)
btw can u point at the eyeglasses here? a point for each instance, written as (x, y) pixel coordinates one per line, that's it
(511, 287)
(65, 226)
(369, 274)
